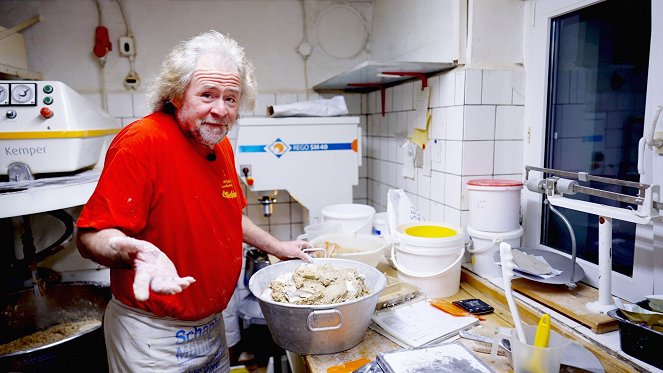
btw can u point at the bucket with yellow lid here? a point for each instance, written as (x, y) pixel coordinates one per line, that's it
(428, 254)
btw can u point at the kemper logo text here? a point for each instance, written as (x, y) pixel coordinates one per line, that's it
(25, 151)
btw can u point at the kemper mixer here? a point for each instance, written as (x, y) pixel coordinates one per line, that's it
(49, 135)
(315, 159)
(47, 127)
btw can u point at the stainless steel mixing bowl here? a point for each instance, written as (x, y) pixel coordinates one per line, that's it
(319, 329)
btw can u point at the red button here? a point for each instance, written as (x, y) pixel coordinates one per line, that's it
(46, 112)
(249, 180)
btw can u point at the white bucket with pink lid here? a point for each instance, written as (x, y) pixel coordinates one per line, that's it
(494, 204)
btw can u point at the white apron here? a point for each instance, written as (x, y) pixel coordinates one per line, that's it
(138, 341)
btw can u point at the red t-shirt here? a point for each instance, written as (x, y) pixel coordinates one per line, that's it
(158, 186)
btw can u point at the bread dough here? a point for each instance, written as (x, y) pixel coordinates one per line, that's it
(315, 285)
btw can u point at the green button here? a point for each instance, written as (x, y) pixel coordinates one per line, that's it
(48, 88)
(48, 100)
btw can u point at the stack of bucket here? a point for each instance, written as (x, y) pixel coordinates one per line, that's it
(341, 218)
(494, 218)
(352, 217)
(429, 255)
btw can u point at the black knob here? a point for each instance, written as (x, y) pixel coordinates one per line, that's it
(11, 114)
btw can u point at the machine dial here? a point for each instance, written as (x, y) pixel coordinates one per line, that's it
(3, 94)
(22, 93)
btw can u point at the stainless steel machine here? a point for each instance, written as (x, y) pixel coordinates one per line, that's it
(316, 159)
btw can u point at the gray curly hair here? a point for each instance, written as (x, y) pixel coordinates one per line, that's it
(178, 67)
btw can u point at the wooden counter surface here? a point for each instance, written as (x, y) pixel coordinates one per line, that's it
(471, 286)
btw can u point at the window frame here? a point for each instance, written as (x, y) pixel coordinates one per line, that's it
(647, 250)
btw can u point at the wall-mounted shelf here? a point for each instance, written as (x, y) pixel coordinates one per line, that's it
(373, 72)
(13, 58)
(372, 76)
(11, 72)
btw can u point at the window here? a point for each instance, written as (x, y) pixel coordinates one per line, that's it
(595, 115)
(588, 72)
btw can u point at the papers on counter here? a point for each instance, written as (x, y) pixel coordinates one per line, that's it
(417, 323)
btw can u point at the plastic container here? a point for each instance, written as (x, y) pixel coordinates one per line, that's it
(528, 358)
(354, 218)
(429, 255)
(365, 248)
(639, 341)
(494, 204)
(484, 246)
(314, 230)
(441, 284)
(427, 247)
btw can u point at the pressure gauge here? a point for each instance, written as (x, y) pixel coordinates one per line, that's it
(23, 94)
(4, 94)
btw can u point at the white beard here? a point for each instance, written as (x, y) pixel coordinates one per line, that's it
(206, 134)
(211, 135)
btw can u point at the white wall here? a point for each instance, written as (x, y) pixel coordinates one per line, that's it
(60, 46)
(416, 30)
(495, 33)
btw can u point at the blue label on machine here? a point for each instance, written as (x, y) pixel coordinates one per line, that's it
(279, 147)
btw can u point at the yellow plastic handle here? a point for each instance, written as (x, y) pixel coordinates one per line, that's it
(542, 331)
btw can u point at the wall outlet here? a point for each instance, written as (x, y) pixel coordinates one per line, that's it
(127, 46)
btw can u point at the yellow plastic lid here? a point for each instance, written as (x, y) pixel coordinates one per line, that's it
(430, 231)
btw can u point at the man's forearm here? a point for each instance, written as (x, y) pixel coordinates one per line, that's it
(96, 245)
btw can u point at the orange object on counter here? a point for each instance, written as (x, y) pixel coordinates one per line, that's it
(451, 308)
(348, 367)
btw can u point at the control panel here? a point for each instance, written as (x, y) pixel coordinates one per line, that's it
(48, 127)
(14, 95)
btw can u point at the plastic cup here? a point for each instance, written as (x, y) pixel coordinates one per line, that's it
(530, 359)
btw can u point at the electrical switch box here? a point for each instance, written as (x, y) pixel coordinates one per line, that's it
(127, 46)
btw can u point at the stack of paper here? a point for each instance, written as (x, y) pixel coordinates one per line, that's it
(417, 323)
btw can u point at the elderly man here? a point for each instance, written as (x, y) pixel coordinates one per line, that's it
(169, 202)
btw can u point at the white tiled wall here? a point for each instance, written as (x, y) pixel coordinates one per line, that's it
(476, 132)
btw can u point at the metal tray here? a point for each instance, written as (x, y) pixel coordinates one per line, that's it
(556, 260)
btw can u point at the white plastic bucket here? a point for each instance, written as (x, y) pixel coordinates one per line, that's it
(484, 246)
(314, 230)
(426, 247)
(441, 284)
(354, 218)
(429, 255)
(494, 204)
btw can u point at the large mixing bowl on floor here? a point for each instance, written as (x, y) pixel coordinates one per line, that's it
(317, 329)
(23, 313)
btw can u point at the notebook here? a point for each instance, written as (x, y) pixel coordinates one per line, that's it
(417, 323)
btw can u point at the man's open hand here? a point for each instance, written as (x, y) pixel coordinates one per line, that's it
(153, 268)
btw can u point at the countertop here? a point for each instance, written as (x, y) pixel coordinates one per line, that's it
(471, 286)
